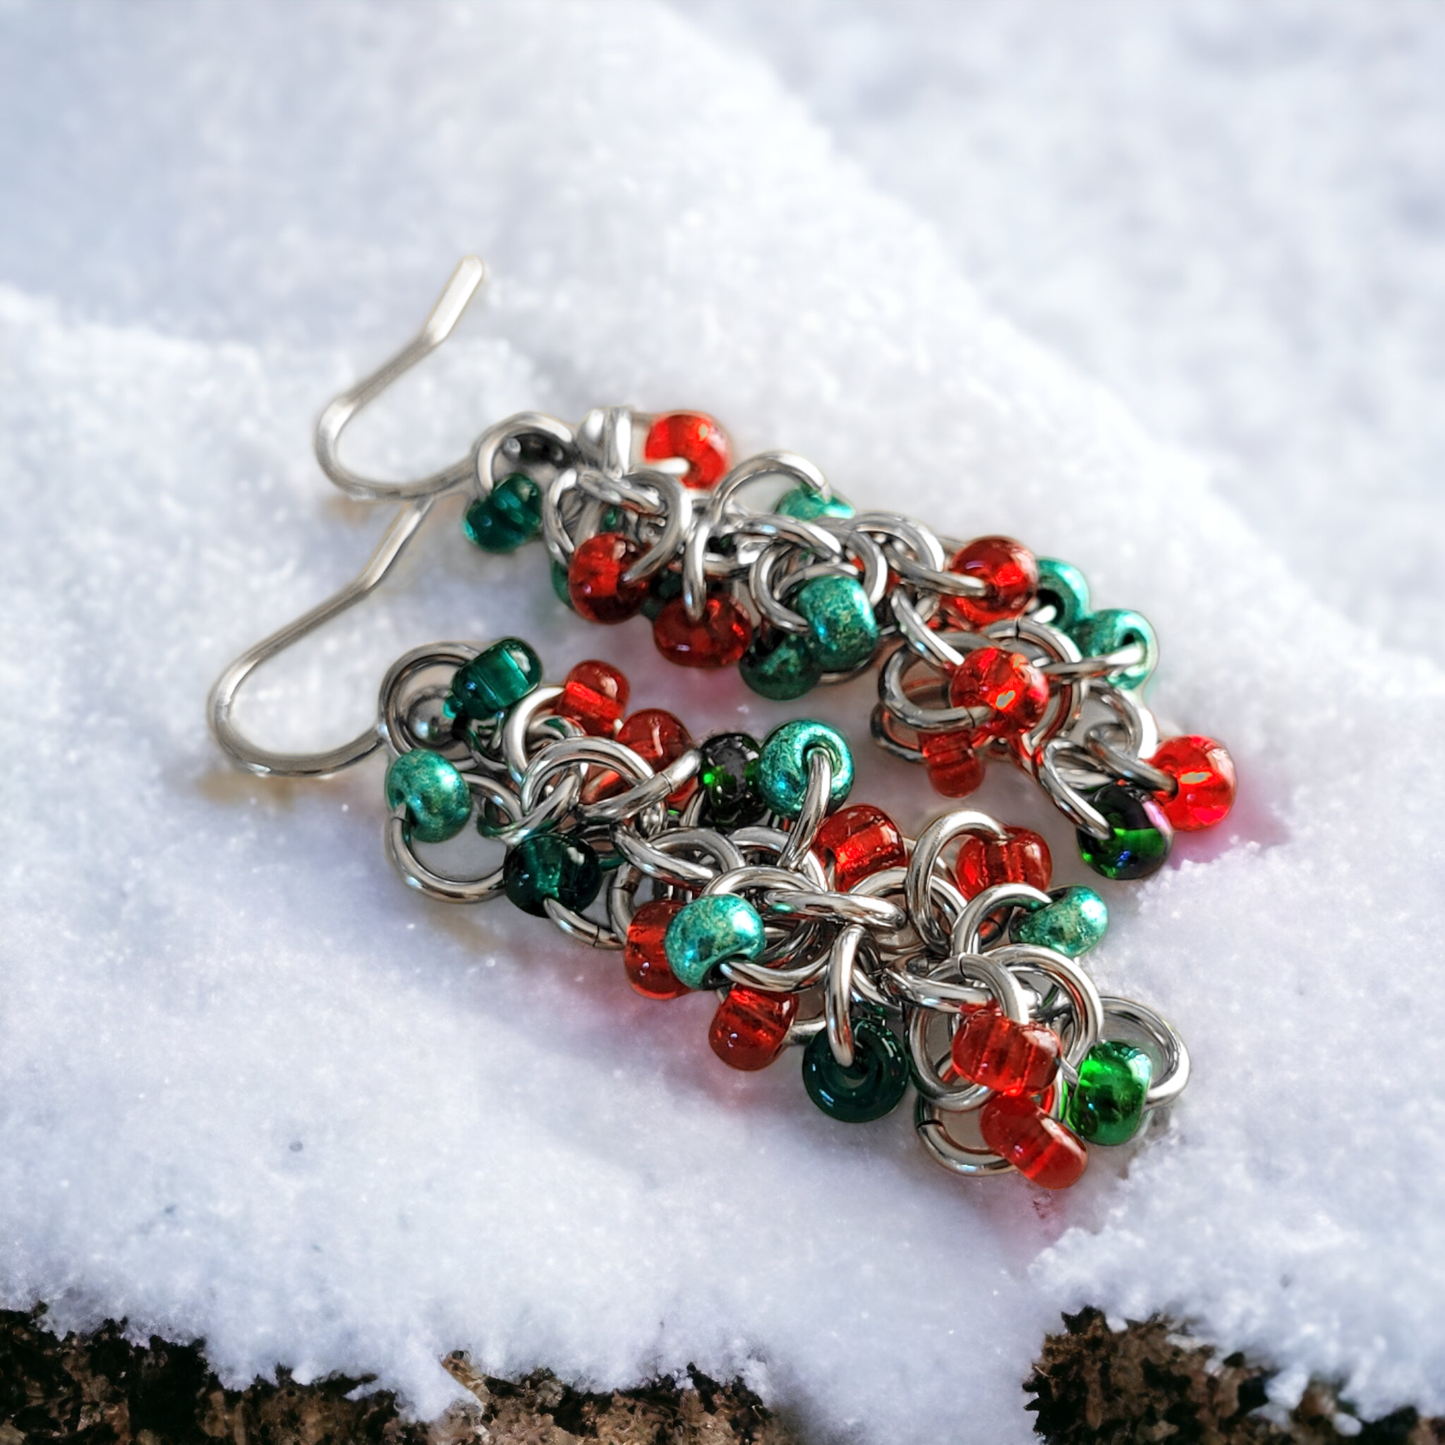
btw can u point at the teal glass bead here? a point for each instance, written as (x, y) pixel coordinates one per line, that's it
(1072, 924)
(434, 794)
(495, 678)
(708, 931)
(872, 1086)
(551, 865)
(844, 629)
(559, 585)
(1106, 1106)
(1101, 633)
(509, 515)
(1062, 586)
(1140, 835)
(807, 505)
(780, 774)
(780, 666)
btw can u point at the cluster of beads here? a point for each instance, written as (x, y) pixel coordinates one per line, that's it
(945, 964)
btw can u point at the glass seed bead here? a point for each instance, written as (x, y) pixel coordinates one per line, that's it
(659, 738)
(662, 587)
(872, 1086)
(844, 629)
(594, 579)
(1106, 1106)
(435, 795)
(1043, 1150)
(750, 1027)
(559, 584)
(696, 438)
(718, 639)
(780, 665)
(1140, 834)
(807, 505)
(594, 696)
(509, 515)
(1011, 687)
(1062, 587)
(1023, 857)
(551, 865)
(857, 842)
(723, 776)
(495, 679)
(1205, 774)
(1113, 629)
(709, 931)
(1010, 576)
(1072, 924)
(1007, 1057)
(952, 762)
(644, 954)
(781, 772)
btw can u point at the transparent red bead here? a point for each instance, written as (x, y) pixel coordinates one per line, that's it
(594, 578)
(1022, 858)
(718, 639)
(1010, 576)
(1007, 1057)
(643, 955)
(859, 841)
(1205, 774)
(954, 767)
(1013, 690)
(659, 738)
(594, 696)
(1040, 1148)
(750, 1027)
(694, 437)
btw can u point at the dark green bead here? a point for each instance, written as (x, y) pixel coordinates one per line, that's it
(709, 931)
(434, 794)
(780, 774)
(807, 505)
(1106, 1106)
(872, 1086)
(1101, 633)
(731, 801)
(664, 586)
(1062, 586)
(781, 666)
(551, 865)
(508, 516)
(495, 678)
(845, 631)
(559, 585)
(1072, 924)
(1140, 836)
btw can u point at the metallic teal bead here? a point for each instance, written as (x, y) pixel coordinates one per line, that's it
(1072, 924)
(1101, 633)
(434, 794)
(509, 515)
(845, 631)
(1106, 1106)
(1062, 585)
(708, 931)
(495, 678)
(781, 666)
(807, 505)
(782, 767)
(872, 1086)
(551, 866)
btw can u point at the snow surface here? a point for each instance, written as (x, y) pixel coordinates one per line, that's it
(252, 1088)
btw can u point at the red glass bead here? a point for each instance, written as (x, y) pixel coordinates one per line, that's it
(858, 841)
(718, 639)
(1205, 774)
(750, 1027)
(1007, 1057)
(954, 768)
(694, 437)
(594, 578)
(1040, 1148)
(643, 955)
(1022, 858)
(658, 738)
(594, 696)
(1013, 690)
(1010, 576)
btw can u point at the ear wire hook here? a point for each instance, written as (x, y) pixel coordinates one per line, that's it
(418, 497)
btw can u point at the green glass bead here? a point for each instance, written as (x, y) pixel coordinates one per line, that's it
(807, 505)
(1101, 633)
(551, 865)
(495, 678)
(780, 774)
(708, 931)
(1106, 1106)
(1062, 585)
(1072, 924)
(781, 666)
(664, 586)
(509, 515)
(845, 631)
(559, 585)
(731, 800)
(1140, 835)
(872, 1086)
(434, 794)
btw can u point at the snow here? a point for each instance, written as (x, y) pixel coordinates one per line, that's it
(253, 1089)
